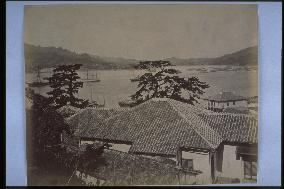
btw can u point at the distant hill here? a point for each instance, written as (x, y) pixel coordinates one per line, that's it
(48, 57)
(245, 57)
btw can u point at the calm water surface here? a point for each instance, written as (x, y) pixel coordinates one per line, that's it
(115, 85)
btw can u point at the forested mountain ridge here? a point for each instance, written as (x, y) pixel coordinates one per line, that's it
(245, 57)
(48, 57)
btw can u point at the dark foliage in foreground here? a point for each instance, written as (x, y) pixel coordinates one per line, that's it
(48, 152)
(165, 83)
(45, 126)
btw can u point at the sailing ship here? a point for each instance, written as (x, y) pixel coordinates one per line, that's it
(102, 105)
(95, 103)
(135, 79)
(38, 82)
(93, 79)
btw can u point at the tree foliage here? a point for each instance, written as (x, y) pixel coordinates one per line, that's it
(92, 158)
(45, 126)
(65, 85)
(45, 148)
(166, 83)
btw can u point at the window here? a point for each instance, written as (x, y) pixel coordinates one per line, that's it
(227, 103)
(250, 169)
(234, 103)
(187, 164)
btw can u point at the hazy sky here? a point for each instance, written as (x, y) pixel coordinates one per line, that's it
(143, 31)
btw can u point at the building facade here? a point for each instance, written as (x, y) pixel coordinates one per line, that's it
(223, 100)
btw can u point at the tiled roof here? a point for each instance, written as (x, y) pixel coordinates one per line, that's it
(238, 128)
(191, 113)
(225, 96)
(159, 126)
(126, 169)
(88, 119)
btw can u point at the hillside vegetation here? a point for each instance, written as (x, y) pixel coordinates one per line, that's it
(48, 57)
(245, 57)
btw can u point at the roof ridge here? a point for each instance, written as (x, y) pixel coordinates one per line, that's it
(103, 108)
(129, 109)
(194, 128)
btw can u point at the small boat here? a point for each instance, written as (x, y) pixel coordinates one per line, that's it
(135, 79)
(127, 103)
(38, 82)
(203, 72)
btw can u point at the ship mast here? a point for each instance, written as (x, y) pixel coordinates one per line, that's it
(91, 94)
(104, 101)
(87, 74)
(38, 74)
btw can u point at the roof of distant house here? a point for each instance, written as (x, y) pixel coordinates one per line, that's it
(159, 127)
(225, 97)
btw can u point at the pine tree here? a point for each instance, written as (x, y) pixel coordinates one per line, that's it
(166, 83)
(65, 85)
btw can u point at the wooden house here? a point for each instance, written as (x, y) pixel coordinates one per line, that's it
(208, 145)
(240, 134)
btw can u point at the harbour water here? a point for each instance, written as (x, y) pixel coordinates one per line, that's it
(115, 85)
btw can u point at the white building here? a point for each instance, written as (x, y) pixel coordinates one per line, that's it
(224, 100)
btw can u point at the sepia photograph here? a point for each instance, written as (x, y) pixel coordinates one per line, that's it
(148, 94)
